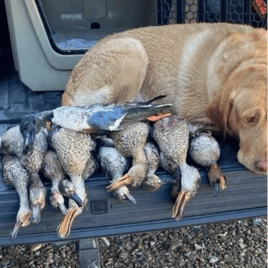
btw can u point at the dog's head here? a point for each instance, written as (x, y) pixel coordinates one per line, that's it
(240, 107)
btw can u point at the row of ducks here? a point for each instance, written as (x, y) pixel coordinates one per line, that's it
(63, 151)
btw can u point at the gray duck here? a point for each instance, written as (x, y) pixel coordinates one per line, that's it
(172, 137)
(205, 151)
(53, 170)
(114, 166)
(15, 175)
(130, 142)
(97, 118)
(74, 152)
(13, 144)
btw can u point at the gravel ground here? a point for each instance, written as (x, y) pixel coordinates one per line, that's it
(232, 244)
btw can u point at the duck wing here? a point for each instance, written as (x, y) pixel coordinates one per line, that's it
(121, 116)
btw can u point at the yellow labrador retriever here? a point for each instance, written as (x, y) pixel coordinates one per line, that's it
(212, 73)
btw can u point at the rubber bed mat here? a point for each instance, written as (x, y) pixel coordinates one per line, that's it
(246, 195)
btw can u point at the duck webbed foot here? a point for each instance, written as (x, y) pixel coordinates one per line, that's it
(118, 183)
(122, 193)
(157, 117)
(57, 201)
(73, 211)
(179, 205)
(216, 178)
(152, 183)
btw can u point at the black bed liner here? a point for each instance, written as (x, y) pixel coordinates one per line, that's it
(246, 195)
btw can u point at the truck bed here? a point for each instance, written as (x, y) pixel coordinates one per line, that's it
(246, 195)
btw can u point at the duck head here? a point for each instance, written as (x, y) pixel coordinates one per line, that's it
(67, 189)
(31, 124)
(23, 220)
(37, 201)
(190, 183)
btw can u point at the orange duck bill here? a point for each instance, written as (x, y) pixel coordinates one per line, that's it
(125, 180)
(66, 225)
(179, 205)
(155, 118)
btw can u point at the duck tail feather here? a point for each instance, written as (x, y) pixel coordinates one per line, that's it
(157, 98)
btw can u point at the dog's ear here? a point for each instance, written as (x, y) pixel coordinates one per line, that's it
(220, 107)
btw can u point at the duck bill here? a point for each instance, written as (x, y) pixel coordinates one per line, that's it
(36, 213)
(76, 199)
(179, 205)
(131, 198)
(66, 225)
(155, 118)
(125, 180)
(16, 229)
(28, 141)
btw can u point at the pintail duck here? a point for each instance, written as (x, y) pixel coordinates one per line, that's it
(12, 144)
(114, 166)
(97, 118)
(172, 137)
(15, 175)
(130, 142)
(205, 151)
(74, 152)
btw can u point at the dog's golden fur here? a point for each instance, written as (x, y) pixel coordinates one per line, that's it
(212, 73)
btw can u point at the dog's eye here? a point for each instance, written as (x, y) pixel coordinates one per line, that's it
(250, 119)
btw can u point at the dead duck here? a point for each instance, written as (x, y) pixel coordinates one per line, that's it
(205, 151)
(152, 182)
(12, 144)
(114, 166)
(97, 118)
(53, 170)
(15, 175)
(172, 137)
(130, 142)
(173, 169)
(32, 161)
(74, 151)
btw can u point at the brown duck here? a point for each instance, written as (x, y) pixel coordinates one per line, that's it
(74, 152)
(205, 151)
(130, 142)
(152, 182)
(12, 144)
(53, 170)
(172, 137)
(114, 166)
(15, 175)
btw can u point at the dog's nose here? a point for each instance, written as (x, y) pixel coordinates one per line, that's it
(261, 165)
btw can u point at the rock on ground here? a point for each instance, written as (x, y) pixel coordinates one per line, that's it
(227, 245)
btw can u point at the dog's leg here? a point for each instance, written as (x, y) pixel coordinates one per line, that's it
(112, 71)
